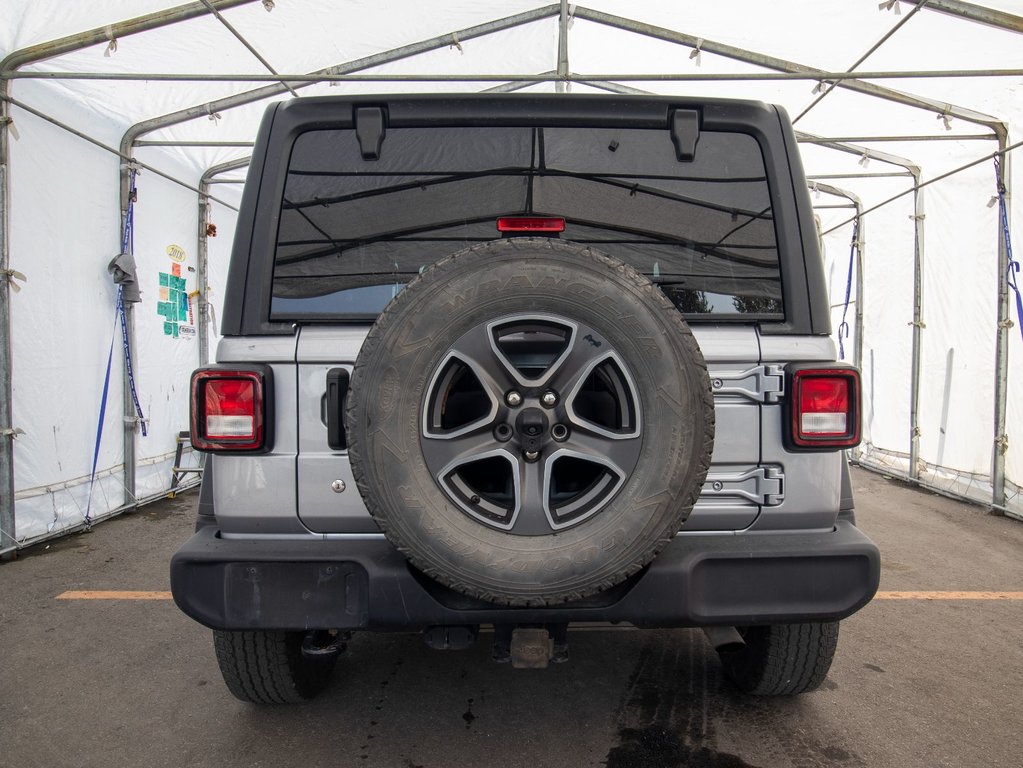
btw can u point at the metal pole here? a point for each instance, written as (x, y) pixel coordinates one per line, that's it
(79, 40)
(560, 85)
(196, 143)
(977, 13)
(202, 270)
(131, 422)
(1001, 439)
(781, 65)
(843, 145)
(822, 176)
(842, 79)
(248, 46)
(859, 248)
(936, 137)
(918, 328)
(97, 143)
(7, 522)
(202, 259)
(510, 87)
(860, 60)
(367, 62)
(943, 176)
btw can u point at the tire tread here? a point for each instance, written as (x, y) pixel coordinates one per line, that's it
(783, 659)
(266, 667)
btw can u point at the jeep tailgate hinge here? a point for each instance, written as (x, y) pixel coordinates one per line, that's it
(764, 383)
(761, 485)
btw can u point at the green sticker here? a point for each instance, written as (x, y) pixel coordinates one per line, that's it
(164, 279)
(167, 329)
(175, 326)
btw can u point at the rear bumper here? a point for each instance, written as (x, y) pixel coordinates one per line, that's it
(727, 579)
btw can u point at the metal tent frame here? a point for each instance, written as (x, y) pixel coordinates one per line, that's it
(11, 69)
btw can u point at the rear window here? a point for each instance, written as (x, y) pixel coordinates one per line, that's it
(353, 232)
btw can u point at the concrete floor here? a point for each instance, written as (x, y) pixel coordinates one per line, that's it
(135, 683)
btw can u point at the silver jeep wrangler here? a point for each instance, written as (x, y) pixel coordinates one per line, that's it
(524, 361)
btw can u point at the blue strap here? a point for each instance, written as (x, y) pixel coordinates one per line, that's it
(99, 424)
(127, 246)
(843, 328)
(128, 367)
(1011, 267)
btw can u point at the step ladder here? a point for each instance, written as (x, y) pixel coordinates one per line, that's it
(178, 472)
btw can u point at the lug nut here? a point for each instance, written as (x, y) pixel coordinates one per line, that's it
(549, 399)
(532, 455)
(513, 398)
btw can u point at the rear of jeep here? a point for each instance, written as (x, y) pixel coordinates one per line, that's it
(519, 362)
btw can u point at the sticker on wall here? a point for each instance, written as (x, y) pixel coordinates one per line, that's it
(176, 252)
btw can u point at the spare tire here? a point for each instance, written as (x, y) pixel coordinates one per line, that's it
(530, 421)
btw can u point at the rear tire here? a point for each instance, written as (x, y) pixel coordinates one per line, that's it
(267, 667)
(783, 659)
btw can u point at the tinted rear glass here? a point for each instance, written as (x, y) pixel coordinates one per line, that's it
(353, 232)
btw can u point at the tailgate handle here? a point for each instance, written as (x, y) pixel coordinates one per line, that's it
(337, 394)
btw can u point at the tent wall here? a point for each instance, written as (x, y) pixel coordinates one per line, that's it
(166, 215)
(63, 232)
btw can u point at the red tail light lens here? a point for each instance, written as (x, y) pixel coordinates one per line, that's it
(230, 409)
(227, 410)
(530, 224)
(826, 407)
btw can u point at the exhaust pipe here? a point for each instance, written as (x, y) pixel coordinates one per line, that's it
(724, 639)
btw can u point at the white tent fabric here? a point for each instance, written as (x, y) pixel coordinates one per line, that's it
(63, 223)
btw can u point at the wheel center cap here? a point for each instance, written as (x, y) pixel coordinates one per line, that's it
(531, 427)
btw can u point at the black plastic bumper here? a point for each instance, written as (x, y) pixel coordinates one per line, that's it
(367, 584)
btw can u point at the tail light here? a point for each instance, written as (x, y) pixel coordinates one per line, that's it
(530, 224)
(228, 409)
(825, 407)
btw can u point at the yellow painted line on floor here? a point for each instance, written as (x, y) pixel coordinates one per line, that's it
(949, 596)
(113, 595)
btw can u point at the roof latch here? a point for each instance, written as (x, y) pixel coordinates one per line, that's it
(685, 132)
(370, 129)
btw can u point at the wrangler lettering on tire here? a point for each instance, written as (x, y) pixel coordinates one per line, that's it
(535, 421)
